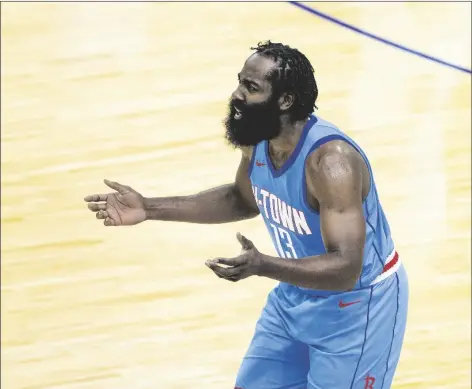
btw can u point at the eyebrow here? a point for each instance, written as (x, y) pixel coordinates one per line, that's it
(250, 81)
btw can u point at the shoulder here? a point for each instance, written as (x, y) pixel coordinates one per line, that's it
(333, 158)
(335, 169)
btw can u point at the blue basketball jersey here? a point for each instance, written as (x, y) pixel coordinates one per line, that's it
(292, 223)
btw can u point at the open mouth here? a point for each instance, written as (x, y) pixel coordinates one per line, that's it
(237, 113)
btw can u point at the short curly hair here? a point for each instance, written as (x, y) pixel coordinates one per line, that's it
(294, 74)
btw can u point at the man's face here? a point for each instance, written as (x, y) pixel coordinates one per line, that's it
(253, 111)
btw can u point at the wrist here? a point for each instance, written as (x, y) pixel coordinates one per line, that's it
(262, 264)
(150, 209)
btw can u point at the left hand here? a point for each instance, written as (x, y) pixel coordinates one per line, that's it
(245, 265)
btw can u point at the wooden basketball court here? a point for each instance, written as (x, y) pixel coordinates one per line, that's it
(136, 93)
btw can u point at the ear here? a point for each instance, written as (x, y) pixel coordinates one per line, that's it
(286, 100)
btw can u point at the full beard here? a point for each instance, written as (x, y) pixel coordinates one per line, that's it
(257, 122)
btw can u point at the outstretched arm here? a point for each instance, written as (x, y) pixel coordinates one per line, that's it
(223, 204)
(226, 203)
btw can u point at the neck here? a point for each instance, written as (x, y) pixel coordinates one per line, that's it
(289, 136)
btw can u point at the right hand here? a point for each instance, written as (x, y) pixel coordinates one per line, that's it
(122, 208)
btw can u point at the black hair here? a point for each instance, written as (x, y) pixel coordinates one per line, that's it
(294, 74)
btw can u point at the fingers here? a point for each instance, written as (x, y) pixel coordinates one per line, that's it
(97, 207)
(224, 272)
(246, 243)
(229, 261)
(101, 208)
(102, 214)
(96, 197)
(231, 277)
(122, 189)
(109, 222)
(110, 217)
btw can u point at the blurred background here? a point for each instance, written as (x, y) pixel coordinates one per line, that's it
(136, 93)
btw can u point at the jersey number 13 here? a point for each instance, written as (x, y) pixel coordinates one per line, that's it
(283, 242)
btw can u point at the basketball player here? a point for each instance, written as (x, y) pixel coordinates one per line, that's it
(337, 318)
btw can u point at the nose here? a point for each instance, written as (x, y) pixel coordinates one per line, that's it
(237, 95)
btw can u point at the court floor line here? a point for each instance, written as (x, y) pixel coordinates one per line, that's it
(378, 38)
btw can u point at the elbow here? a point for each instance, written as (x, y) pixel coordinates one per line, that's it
(351, 272)
(349, 283)
(254, 212)
(344, 283)
(246, 212)
(347, 271)
(243, 207)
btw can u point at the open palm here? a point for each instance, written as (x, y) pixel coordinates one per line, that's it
(125, 207)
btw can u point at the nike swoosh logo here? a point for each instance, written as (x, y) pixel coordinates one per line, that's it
(259, 163)
(344, 305)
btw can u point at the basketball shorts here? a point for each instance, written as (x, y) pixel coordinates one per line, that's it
(349, 340)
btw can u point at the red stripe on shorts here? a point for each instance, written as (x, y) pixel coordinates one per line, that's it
(391, 264)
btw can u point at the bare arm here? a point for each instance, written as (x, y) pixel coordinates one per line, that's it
(334, 178)
(226, 203)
